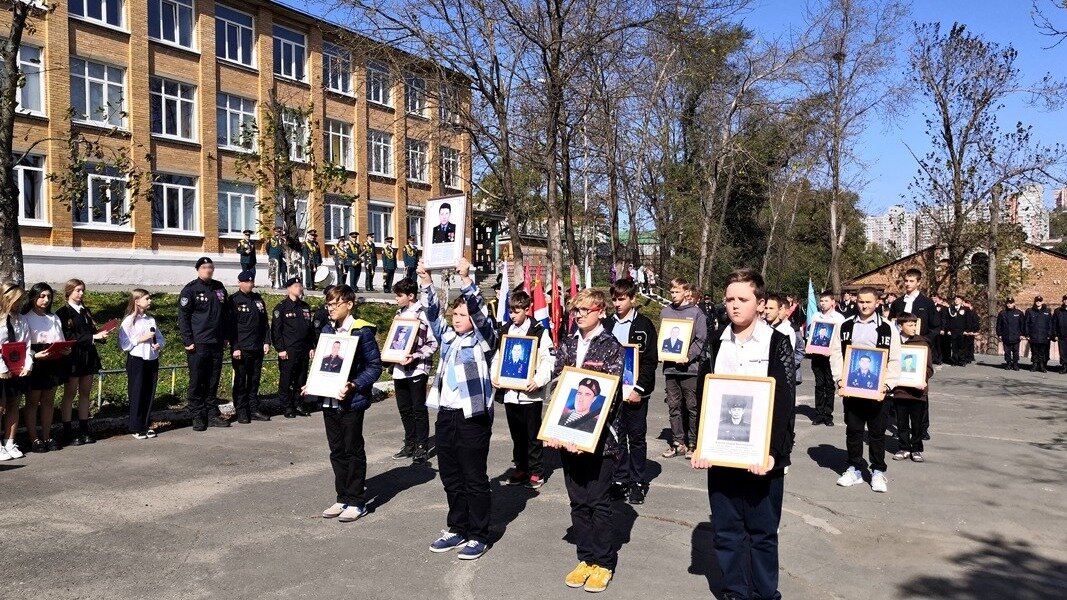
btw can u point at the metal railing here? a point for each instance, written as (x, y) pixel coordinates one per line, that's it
(173, 377)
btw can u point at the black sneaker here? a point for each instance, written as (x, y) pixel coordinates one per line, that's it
(618, 491)
(217, 422)
(637, 494)
(74, 441)
(419, 455)
(38, 446)
(244, 419)
(53, 445)
(199, 425)
(260, 416)
(407, 451)
(290, 413)
(87, 438)
(303, 412)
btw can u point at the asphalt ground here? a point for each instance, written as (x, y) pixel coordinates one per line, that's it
(233, 513)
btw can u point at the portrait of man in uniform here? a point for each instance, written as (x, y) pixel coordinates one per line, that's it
(735, 425)
(583, 410)
(445, 236)
(400, 339)
(445, 231)
(908, 363)
(820, 335)
(332, 363)
(862, 374)
(674, 343)
(516, 362)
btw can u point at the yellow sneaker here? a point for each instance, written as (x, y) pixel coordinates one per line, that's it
(598, 579)
(577, 577)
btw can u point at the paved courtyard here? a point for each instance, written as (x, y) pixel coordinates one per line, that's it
(232, 513)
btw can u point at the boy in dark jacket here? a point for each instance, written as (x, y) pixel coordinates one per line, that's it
(910, 401)
(746, 505)
(1037, 329)
(1010, 330)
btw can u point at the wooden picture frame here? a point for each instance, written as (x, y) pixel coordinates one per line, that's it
(730, 436)
(913, 361)
(674, 348)
(631, 368)
(563, 423)
(860, 381)
(822, 334)
(516, 373)
(443, 243)
(328, 375)
(401, 339)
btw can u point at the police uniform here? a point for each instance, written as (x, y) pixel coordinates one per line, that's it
(248, 333)
(864, 381)
(444, 233)
(202, 308)
(292, 333)
(331, 364)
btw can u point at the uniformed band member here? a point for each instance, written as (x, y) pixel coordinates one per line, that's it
(248, 345)
(370, 262)
(388, 264)
(1010, 331)
(202, 322)
(247, 249)
(410, 255)
(355, 259)
(339, 254)
(276, 259)
(293, 337)
(312, 255)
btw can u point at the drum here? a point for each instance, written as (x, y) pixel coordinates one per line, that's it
(323, 275)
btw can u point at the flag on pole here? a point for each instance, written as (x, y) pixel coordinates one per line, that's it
(526, 285)
(574, 281)
(557, 309)
(540, 307)
(813, 304)
(503, 296)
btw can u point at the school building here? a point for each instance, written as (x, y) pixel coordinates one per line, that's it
(181, 94)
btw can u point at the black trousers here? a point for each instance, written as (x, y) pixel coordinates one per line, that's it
(205, 369)
(968, 348)
(633, 449)
(1011, 352)
(353, 275)
(411, 404)
(409, 273)
(909, 424)
(935, 346)
(292, 375)
(462, 452)
(873, 415)
(524, 423)
(387, 285)
(246, 374)
(369, 279)
(348, 456)
(1039, 354)
(945, 344)
(588, 477)
(959, 349)
(746, 510)
(825, 388)
(141, 377)
(1062, 344)
(683, 407)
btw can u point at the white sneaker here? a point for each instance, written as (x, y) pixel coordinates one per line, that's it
(850, 478)
(13, 450)
(140, 436)
(351, 513)
(334, 510)
(151, 433)
(3, 454)
(879, 483)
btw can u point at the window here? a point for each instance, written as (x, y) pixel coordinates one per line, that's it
(378, 84)
(234, 38)
(236, 118)
(337, 68)
(446, 105)
(415, 95)
(31, 94)
(174, 203)
(301, 212)
(979, 268)
(172, 108)
(450, 167)
(381, 222)
(296, 134)
(417, 151)
(29, 177)
(380, 153)
(105, 201)
(415, 227)
(97, 93)
(171, 21)
(339, 144)
(108, 12)
(290, 53)
(237, 207)
(338, 218)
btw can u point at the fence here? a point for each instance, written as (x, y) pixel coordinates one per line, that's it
(179, 381)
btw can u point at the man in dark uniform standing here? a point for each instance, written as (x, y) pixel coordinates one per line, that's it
(247, 249)
(276, 259)
(1037, 329)
(201, 321)
(1059, 332)
(411, 259)
(957, 327)
(293, 338)
(1010, 331)
(312, 255)
(248, 346)
(388, 264)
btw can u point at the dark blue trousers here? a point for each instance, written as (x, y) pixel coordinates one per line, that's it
(745, 511)
(633, 449)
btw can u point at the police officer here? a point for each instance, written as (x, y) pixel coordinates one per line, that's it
(246, 248)
(355, 256)
(312, 255)
(293, 337)
(1010, 331)
(248, 345)
(202, 308)
(388, 264)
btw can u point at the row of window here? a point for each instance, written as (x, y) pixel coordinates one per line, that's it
(174, 205)
(173, 21)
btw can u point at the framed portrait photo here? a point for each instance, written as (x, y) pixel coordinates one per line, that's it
(580, 405)
(864, 373)
(735, 420)
(630, 368)
(401, 339)
(913, 360)
(518, 362)
(674, 338)
(822, 333)
(333, 360)
(443, 231)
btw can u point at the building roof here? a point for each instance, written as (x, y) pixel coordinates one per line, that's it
(1025, 245)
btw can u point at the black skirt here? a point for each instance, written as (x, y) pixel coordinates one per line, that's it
(15, 386)
(84, 361)
(47, 374)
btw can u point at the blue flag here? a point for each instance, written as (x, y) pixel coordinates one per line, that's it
(813, 303)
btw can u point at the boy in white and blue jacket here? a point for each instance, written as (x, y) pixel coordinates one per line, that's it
(462, 394)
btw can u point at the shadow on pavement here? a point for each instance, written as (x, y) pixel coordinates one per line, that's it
(385, 486)
(703, 561)
(999, 568)
(829, 457)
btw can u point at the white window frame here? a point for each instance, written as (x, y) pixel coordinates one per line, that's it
(33, 73)
(244, 196)
(337, 218)
(451, 178)
(178, 99)
(175, 36)
(103, 116)
(337, 69)
(112, 181)
(105, 5)
(339, 133)
(415, 222)
(380, 221)
(245, 115)
(379, 153)
(418, 160)
(414, 95)
(21, 173)
(297, 127)
(296, 69)
(301, 213)
(379, 84)
(175, 190)
(223, 24)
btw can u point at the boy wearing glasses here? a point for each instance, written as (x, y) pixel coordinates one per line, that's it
(588, 475)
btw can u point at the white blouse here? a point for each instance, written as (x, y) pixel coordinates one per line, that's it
(133, 329)
(22, 334)
(44, 329)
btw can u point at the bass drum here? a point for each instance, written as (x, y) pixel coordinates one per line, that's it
(323, 276)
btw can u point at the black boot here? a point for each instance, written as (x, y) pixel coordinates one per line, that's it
(217, 422)
(258, 415)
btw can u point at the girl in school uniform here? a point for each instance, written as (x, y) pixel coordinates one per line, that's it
(140, 338)
(50, 366)
(78, 325)
(12, 384)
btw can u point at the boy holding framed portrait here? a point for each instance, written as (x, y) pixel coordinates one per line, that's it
(746, 503)
(683, 333)
(822, 330)
(524, 357)
(411, 369)
(912, 392)
(864, 407)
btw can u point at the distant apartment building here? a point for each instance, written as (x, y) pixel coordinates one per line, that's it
(895, 231)
(1027, 209)
(1060, 199)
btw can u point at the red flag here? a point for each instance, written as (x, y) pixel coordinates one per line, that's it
(540, 308)
(574, 280)
(557, 309)
(526, 287)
